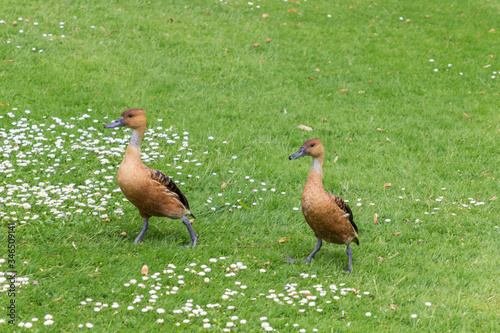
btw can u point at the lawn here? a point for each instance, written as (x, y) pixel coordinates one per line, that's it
(404, 96)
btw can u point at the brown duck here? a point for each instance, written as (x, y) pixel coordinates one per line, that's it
(328, 215)
(153, 193)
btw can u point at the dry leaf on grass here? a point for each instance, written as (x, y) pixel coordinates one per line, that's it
(283, 239)
(74, 245)
(292, 10)
(375, 218)
(123, 233)
(223, 186)
(394, 307)
(324, 120)
(380, 259)
(494, 198)
(310, 78)
(268, 40)
(336, 159)
(255, 44)
(342, 90)
(380, 130)
(265, 15)
(305, 128)
(144, 270)
(396, 233)
(386, 185)
(467, 116)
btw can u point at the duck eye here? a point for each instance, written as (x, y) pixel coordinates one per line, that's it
(312, 145)
(130, 116)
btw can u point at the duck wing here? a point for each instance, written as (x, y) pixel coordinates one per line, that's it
(346, 209)
(169, 185)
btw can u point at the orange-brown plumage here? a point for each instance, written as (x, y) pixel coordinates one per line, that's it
(328, 215)
(153, 193)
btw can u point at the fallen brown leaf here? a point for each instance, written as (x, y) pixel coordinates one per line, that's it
(317, 69)
(335, 159)
(324, 120)
(292, 10)
(265, 15)
(191, 220)
(380, 130)
(74, 245)
(255, 44)
(361, 92)
(467, 116)
(427, 16)
(396, 233)
(394, 307)
(492, 30)
(494, 198)
(342, 90)
(265, 264)
(310, 78)
(123, 233)
(305, 128)
(407, 21)
(144, 270)
(487, 66)
(57, 299)
(387, 139)
(106, 220)
(223, 186)
(14, 23)
(10, 60)
(380, 259)
(283, 239)
(386, 185)
(375, 218)
(268, 40)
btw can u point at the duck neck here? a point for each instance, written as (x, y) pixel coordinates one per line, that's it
(133, 151)
(315, 177)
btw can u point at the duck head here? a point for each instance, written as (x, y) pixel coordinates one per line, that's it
(312, 147)
(133, 118)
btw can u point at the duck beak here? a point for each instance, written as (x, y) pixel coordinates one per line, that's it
(300, 153)
(115, 123)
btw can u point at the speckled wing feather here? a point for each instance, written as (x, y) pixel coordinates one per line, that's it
(169, 185)
(346, 209)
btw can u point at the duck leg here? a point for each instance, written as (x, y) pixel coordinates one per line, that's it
(316, 249)
(192, 234)
(349, 255)
(143, 231)
(313, 253)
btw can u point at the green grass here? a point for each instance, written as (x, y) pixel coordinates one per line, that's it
(193, 65)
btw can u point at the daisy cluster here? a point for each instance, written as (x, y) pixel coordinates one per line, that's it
(34, 322)
(159, 293)
(26, 30)
(19, 281)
